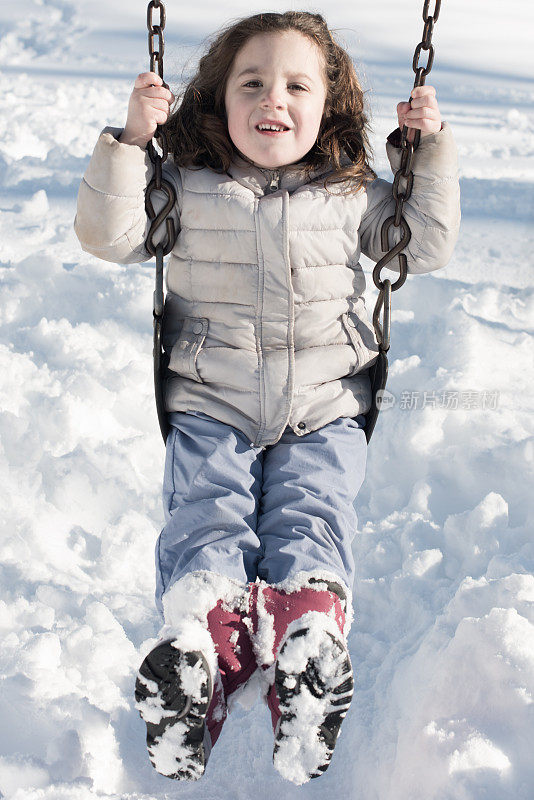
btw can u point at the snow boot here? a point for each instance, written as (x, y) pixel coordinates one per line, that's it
(183, 684)
(310, 681)
(173, 692)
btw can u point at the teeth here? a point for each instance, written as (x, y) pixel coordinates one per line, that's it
(264, 127)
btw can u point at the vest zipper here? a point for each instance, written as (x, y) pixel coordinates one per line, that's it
(274, 182)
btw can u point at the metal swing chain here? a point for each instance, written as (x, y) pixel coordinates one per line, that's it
(158, 184)
(401, 193)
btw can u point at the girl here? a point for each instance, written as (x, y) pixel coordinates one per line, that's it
(269, 345)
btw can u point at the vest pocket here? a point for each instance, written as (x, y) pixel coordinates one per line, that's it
(363, 340)
(185, 350)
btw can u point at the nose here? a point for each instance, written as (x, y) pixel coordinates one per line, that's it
(273, 98)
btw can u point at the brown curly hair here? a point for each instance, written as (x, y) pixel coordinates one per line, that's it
(196, 130)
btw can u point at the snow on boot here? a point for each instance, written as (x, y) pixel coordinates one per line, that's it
(313, 685)
(203, 654)
(299, 638)
(173, 692)
(235, 657)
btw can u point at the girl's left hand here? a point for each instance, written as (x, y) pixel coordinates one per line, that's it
(423, 112)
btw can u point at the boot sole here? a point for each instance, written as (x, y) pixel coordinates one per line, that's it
(173, 691)
(313, 704)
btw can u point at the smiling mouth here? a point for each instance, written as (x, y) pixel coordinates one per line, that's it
(269, 132)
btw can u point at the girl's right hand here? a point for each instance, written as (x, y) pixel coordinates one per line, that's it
(149, 106)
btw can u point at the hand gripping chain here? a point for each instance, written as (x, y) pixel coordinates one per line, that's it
(379, 371)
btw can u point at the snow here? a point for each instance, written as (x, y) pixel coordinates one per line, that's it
(170, 751)
(169, 744)
(301, 749)
(442, 640)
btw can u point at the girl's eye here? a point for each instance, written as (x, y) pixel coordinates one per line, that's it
(291, 85)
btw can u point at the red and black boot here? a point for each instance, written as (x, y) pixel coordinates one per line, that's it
(183, 684)
(301, 647)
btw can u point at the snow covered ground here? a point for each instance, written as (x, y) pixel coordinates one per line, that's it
(442, 644)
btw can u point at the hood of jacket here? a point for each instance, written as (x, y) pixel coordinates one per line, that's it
(289, 176)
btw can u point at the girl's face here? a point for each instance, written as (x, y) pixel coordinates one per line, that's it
(277, 78)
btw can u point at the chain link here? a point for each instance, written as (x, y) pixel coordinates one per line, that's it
(403, 173)
(159, 184)
(401, 193)
(427, 33)
(435, 15)
(156, 56)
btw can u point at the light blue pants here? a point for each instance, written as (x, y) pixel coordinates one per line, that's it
(248, 512)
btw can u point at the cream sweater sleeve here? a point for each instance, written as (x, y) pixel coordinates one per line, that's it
(111, 222)
(432, 211)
